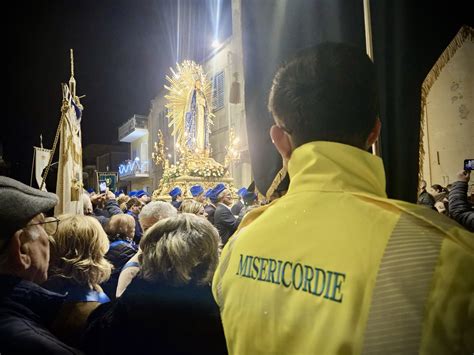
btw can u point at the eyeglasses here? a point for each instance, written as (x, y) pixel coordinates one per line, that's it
(52, 223)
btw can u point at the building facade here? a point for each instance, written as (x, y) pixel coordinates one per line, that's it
(224, 67)
(134, 173)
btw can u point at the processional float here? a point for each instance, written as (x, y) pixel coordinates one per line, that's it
(189, 105)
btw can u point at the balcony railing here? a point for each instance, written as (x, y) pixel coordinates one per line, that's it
(134, 128)
(134, 169)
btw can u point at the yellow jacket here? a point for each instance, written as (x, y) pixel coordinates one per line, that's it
(334, 267)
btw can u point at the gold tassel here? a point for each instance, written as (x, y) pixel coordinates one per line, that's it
(276, 181)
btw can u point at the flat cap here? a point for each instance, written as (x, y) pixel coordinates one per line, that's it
(19, 203)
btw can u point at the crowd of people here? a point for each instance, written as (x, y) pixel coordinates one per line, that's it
(331, 267)
(453, 200)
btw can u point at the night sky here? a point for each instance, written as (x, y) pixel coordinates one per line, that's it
(122, 52)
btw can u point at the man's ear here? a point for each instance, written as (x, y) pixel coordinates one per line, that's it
(282, 142)
(374, 133)
(18, 252)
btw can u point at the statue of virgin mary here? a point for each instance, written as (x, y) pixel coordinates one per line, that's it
(197, 120)
(189, 107)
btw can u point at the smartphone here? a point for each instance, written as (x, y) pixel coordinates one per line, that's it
(102, 187)
(468, 164)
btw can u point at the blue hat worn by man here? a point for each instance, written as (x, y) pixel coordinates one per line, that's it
(239, 204)
(212, 195)
(386, 274)
(242, 191)
(132, 193)
(215, 192)
(196, 190)
(175, 192)
(141, 193)
(249, 198)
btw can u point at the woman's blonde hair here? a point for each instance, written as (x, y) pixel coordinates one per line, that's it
(122, 224)
(122, 202)
(191, 206)
(78, 249)
(182, 249)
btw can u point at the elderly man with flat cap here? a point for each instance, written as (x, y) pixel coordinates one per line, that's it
(26, 309)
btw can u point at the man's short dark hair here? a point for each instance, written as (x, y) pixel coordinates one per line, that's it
(326, 93)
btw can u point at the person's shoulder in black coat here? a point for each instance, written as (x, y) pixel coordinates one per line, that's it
(160, 318)
(26, 311)
(237, 207)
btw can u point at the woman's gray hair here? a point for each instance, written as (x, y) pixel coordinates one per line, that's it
(182, 249)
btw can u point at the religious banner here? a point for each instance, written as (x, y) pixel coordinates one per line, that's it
(42, 156)
(69, 184)
(109, 178)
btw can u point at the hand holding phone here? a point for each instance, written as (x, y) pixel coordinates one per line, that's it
(102, 187)
(464, 175)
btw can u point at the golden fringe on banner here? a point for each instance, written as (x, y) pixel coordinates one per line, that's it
(466, 32)
(276, 181)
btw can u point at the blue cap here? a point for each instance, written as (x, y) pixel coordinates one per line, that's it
(242, 191)
(90, 190)
(208, 193)
(175, 192)
(216, 191)
(132, 193)
(141, 193)
(196, 190)
(117, 193)
(249, 197)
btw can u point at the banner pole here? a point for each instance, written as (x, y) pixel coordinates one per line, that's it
(376, 149)
(53, 150)
(32, 166)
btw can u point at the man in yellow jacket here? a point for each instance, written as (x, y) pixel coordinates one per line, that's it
(334, 266)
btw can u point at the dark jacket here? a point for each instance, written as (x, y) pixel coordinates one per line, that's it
(225, 222)
(176, 204)
(103, 214)
(459, 208)
(138, 228)
(210, 210)
(26, 312)
(426, 199)
(168, 319)
(120, 251)
(237, 207)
